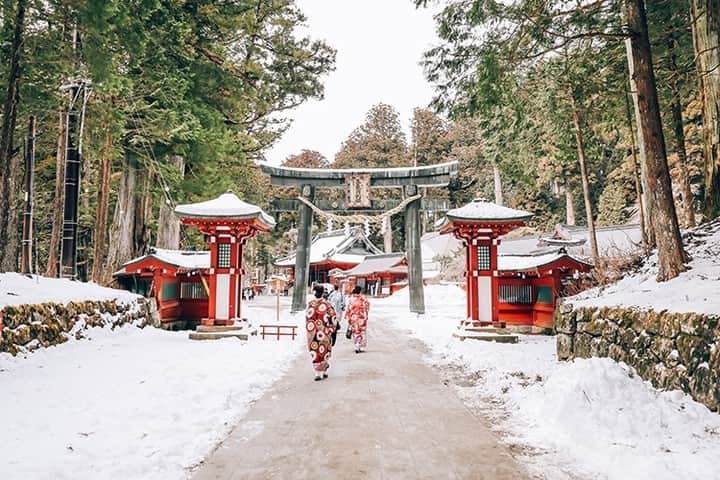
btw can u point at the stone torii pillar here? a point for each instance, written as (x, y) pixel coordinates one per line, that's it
(302, 251)
(414, 252)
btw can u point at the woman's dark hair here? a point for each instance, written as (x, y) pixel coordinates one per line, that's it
(318, 290)
(357, 289)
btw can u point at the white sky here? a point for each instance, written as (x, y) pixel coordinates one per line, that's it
(379, 46)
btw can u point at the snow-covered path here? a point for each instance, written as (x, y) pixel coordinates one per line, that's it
(128, 404)
(382, 414)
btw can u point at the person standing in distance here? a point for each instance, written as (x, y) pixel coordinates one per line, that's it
(337, 300)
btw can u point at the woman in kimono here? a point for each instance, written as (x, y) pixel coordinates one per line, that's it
(357, 317)
(320, 327)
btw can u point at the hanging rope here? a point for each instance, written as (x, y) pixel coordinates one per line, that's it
(358, 217)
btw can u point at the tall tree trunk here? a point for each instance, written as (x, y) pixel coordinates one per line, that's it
(9, 161)
(671, 256)
(121, 244)
(58, 201)
(642, 210)
(101, 212)
(497, 180)
(27, 238)
(648, 227)
(168, 229)
(585, 182)
(143, 214)
(705, 15)
(679, 131)
(569, 205)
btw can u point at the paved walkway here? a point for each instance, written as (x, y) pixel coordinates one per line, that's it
(382, 414)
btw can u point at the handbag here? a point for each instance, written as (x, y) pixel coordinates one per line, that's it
(348, 333)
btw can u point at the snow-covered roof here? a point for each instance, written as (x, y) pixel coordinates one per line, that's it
(521, 263)
(435, 244)
(377, 263)
(336, 246)
(185, 259)
(227, 205)
(481, 210)
(613, 241)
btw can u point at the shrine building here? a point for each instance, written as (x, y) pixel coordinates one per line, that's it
(378, 275)
(338, 249)
(519, 289)
(205, 288)
(176, 279)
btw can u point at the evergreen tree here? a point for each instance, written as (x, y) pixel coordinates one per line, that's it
(379, 142)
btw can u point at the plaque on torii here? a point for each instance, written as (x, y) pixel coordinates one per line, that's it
(358, 190)
(359, 184)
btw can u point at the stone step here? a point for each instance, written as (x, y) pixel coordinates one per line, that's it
(483, 330)
(486, 337)
(216, 328)
(236, 333)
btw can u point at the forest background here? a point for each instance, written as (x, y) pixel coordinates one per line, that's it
(543, 103)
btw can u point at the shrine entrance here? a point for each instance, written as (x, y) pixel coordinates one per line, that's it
(364, 209)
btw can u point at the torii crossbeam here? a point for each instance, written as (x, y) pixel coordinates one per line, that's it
(359, 182)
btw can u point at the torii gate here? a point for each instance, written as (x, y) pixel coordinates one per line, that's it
(358, 183)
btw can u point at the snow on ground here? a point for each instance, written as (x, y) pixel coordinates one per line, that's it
(589, 419)
(130, 403)
(696, 290)
(18, 289)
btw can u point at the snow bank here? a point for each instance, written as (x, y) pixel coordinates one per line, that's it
(17, 289)
(129, 403)
(435, 295)
(591, 417)
(696, 290)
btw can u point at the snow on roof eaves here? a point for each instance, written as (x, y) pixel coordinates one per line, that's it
(191, 260)
(532, 262)
(227, 205)
(375, 264)
(183, 258)
(332, 246)
(480, 210)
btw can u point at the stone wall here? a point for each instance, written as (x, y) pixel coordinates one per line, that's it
(28, 327)
(671, 350)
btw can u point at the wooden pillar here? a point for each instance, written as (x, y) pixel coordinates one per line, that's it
(387, 236)
(212, 301)
(495, 285)
(302, 253)
(414, 254)
(472, 284)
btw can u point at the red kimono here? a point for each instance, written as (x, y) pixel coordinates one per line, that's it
(357, 317)
(320, 326)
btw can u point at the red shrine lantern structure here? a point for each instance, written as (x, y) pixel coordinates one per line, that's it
(227, 223)
(479, 224)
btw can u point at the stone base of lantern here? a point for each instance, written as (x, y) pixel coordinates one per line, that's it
(209, 322)
(488, 334)
(217, 332)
